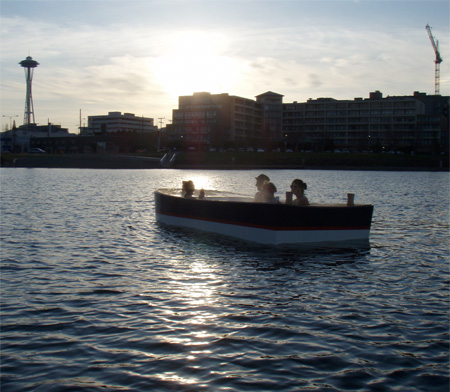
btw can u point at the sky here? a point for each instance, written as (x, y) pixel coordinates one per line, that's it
(139, 56)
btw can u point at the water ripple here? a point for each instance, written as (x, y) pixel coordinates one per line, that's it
(96, 296)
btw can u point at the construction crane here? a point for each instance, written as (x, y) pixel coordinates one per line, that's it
(437, 61)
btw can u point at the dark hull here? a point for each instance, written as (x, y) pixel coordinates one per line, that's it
(266, 223)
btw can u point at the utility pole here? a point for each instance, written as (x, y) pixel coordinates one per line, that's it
(159, 132)
(437, 61)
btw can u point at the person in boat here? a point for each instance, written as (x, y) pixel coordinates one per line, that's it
(298, 188)
(268, 192)
(260, 181)
(188, 188)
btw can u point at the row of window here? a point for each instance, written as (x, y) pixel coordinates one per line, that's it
(355, 120)
(197, 138)
(244, 117)
(240, 109)
(429, 134)
(350, 113)
(196, 121)
(429, 119)
(351, 127)
(359, 136)
(374, 127)
(121, 125)
(195, 114)
(122, 121)
(191, 130)
(349, 105)
(201, 106)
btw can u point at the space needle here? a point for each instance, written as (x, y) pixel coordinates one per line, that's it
(29, 64)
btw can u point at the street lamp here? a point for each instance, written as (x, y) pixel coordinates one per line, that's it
(10, 120)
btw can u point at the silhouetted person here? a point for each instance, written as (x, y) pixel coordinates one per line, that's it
(298, 188)
(268, 193)
(188, 188)
(260, 181)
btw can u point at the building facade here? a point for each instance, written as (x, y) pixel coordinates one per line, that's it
(407, 123)
(212, 121)
(19, 139)
(115, 122)
(418, 123)
(272, 117)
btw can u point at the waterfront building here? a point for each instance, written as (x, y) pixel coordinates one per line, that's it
(272, 117)
(416, 123)
(399, 123)
(20, 139)
(213, 121)
(115, 122)
(111, 133)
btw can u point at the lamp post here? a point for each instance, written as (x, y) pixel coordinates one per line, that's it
(10, 120)
(11, 130)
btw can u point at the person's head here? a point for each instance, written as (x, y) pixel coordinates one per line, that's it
(269, 187)
(188, 188)
(298, 187)
(261, 180)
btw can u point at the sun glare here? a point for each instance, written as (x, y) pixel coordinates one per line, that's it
(195, 61)
(201, 182)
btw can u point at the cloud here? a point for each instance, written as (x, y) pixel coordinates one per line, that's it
(314, 80)
(137, 67)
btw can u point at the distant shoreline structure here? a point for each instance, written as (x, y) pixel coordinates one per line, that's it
(231, 161)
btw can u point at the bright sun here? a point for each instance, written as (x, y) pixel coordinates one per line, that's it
(194, 61)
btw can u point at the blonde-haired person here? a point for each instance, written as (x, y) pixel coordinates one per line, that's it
(188, 188)
(268, 192)
(298, 188)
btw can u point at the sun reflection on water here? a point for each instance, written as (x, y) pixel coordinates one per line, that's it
(194, 289)
(171, 376)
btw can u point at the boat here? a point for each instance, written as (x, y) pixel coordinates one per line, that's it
(238, 216)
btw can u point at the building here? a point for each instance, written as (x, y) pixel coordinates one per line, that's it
(20, 139)
(407, 123)
(272, 117)
(212, 121)
(418, 123)
(113, 133)
(115, 122)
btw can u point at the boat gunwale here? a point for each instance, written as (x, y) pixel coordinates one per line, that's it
(245, 199)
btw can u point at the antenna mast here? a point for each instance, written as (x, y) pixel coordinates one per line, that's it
(437, 61)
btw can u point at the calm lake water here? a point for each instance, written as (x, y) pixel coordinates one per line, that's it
(96, 296)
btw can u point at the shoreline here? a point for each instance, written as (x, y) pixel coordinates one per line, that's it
(223, 162)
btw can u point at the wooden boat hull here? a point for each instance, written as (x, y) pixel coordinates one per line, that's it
(273, 224)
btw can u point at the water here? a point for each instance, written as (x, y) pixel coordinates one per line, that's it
(95, 296)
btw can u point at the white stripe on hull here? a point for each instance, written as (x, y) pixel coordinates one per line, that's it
(265, 236)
